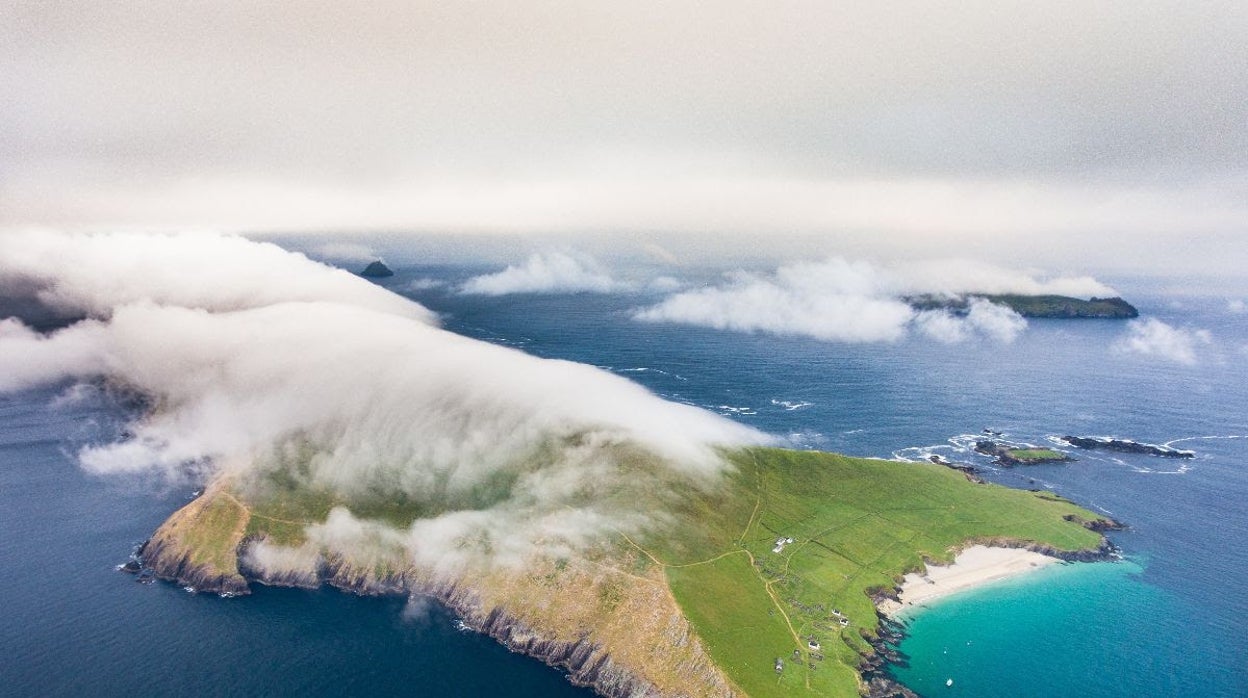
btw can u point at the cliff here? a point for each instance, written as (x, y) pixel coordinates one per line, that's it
(197, 546)
(636, 645)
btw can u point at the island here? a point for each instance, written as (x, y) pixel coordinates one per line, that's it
(765, 584)
(376, 270)
(1033, 306)
(1010, 455)
(1126, 446)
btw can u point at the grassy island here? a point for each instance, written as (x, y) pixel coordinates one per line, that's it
(1012, 454)
(758, 587)
(1037, 306)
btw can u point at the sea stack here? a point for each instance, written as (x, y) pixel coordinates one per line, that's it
(376, 270)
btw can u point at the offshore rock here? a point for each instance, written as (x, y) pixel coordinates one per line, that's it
(1008, 455)
(376, 270)
(1126, 446)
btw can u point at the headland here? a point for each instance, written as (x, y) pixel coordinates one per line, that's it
(764, 586)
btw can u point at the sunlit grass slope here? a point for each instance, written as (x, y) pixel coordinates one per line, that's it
(855, 525)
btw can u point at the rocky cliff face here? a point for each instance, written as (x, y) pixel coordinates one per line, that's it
(197, 546)
(588, 664)
(593, 657)
(172, 562)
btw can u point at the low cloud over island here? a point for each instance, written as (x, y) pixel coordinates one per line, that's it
(855, 301)
(257, 359)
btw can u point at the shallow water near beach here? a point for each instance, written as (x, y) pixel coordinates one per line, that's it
(1165, 622)
(1060, 630)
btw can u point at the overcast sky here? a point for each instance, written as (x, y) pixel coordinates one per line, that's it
(1118, 127)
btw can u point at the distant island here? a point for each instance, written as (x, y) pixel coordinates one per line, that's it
(1043, 306)
(377, 270)
(765, 585)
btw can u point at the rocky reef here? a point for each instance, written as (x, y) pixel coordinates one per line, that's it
(1126, 446)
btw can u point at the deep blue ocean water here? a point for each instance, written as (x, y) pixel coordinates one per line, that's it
(1164, 622)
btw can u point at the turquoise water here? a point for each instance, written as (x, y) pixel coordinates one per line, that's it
(1061, 631)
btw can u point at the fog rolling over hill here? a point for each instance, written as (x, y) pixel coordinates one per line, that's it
(317, 360)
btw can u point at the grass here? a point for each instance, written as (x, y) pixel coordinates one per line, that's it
(856, 525)
(213, 530)
(1035, 454)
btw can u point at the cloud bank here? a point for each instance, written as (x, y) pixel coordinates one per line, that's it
(548, 272)
(93, 275)
(341, 252)
(1153, 338)
(843, 301)
(1115, 130)
(259, 361)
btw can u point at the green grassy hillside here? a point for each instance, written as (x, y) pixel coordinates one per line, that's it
(856, 525)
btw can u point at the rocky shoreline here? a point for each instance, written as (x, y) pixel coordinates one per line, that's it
(586, 664)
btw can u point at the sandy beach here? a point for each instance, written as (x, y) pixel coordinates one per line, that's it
(972, 567)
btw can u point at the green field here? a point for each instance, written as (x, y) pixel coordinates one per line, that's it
(1035, 454)
(856, 525)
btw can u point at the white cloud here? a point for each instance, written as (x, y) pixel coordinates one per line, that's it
(94, 274)
(843, 301)
(1057, 130)
(365, 394)
(962, 276)
(942, 326)
(28, 359)
(1153, 338)
(831, 302)
(549, 272)
(345, 252)
(424, 284)
(1236, 306)
(665, 284)
(995, 321)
